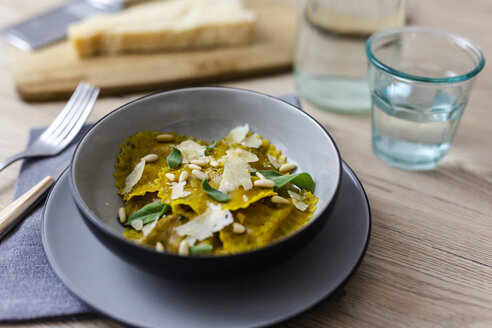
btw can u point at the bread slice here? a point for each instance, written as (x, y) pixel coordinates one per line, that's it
(164, 25)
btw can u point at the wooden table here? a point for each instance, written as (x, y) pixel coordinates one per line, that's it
(429, 262)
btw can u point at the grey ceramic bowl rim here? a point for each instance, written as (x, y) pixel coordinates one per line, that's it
(457, 39)
(112, 234)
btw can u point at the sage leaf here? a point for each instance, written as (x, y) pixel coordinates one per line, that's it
(148, 213)
(302, 180)
(214, 193)
(201, 249)
(212, 145)
(174, 159)
(209, 148)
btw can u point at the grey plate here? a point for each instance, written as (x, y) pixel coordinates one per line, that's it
(135, 297)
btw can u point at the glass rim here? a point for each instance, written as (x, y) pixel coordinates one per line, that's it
(459, 40)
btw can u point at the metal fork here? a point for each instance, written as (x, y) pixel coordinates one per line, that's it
(64, 128)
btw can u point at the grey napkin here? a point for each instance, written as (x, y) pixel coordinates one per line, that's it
(29, 289)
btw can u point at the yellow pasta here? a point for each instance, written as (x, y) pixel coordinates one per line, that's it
(205, 196)
(132, 151)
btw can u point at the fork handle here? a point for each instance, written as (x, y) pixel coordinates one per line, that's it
(13, 213)
(9, 160)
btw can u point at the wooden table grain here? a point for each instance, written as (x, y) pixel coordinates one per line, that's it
(429, 261)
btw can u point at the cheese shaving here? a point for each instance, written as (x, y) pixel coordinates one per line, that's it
(297, 200)
(146, 229)
(273, 161)
(178, 190)
(134, 177)
(253, 141)
(236, 135)
(240, 154)
(191, 150)
(236, 170)
(204, 225)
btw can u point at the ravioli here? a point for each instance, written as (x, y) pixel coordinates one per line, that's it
(234, 191)
(132, 151)
(261, 221)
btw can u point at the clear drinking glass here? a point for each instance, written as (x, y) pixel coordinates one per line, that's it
(420, 81)
(330, 66)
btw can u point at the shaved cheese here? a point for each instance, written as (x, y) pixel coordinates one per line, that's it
(178, 190)
(236, 173)
(191, 151)
(134, 177)
(137, 224)
(297, 200)
(253, 141)
(236, 170)
(236, 135)
(204, 225)
(240, 154)
(273, 160)
(301, 205)
(146, 229)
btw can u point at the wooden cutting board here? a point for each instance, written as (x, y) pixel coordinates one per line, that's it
(54, 72)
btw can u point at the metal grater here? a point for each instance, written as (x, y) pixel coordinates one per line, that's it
(51, 26)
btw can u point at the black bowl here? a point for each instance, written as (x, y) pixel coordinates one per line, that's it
(207, 113)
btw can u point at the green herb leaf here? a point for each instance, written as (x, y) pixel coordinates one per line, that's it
(148, 213)
(212, 145)
(209, 148)
(201, 249)
(214, 193)
(302, 180)
(174, 159)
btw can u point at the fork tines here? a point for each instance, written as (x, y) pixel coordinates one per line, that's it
(68, 123)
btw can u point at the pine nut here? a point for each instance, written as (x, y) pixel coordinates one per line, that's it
(171, 177)
(259, 175)
(194, 167)
(199, 174)
(265, 183)
(287, 167)
(165, 137)
(122, 214)
(279, 200)
(199, 162)
(184, 249)
(214, 164)
(184, 176)
(137, 224)
(245, 198)
(150, 158)
(159, 247)
(238, 228)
